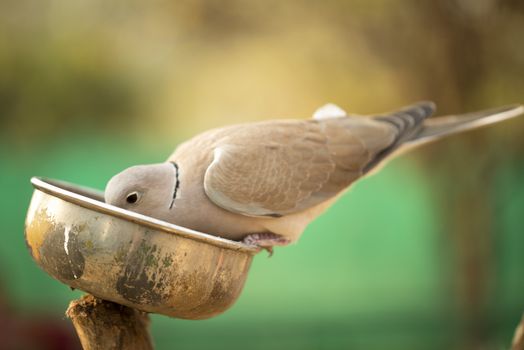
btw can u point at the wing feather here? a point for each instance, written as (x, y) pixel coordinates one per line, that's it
(281, 167)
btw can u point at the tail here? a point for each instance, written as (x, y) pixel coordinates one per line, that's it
(415, 130)
(436, 128)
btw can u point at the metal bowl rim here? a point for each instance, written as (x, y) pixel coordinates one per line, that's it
(53, 188)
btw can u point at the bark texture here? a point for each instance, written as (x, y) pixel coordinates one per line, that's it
(106, 325)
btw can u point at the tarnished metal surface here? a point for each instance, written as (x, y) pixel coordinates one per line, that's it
(130, 258)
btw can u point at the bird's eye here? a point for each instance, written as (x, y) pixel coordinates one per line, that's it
(132, 198)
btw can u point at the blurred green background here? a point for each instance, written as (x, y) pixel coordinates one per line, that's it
(427, 254)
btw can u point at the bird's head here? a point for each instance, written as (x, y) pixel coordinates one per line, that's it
(145, 189)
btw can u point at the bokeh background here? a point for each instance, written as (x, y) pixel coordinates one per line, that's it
(427, 254)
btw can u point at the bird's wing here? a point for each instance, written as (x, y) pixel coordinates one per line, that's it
(281, 167)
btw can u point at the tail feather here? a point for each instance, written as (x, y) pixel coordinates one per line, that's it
(436, 128)
(415, 129)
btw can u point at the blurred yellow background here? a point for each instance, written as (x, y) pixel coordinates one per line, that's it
(428, 254)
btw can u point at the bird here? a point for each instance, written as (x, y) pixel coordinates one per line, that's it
(263, 182)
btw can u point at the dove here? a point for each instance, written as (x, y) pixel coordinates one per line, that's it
(262, 183)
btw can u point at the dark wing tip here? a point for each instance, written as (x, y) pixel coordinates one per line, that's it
(408, 121)
(429, 107)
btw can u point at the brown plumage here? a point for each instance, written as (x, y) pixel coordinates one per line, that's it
(274, 177)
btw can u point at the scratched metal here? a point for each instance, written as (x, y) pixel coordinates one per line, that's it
(130, 258)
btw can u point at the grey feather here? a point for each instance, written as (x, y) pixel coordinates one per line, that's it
(436, 128)
(409, 122)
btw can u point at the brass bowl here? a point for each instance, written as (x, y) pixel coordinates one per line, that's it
(132, 259)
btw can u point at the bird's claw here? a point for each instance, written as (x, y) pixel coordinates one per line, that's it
(266, 241)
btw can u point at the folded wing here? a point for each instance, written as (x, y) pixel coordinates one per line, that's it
(281, 167)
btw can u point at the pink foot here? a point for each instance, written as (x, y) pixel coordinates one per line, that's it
(266, 240)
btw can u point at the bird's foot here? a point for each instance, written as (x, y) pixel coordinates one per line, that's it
(266, 240)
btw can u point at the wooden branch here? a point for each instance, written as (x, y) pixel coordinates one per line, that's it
(105, 325)
(518, 338)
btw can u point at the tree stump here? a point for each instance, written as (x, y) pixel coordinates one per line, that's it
(104, 325)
